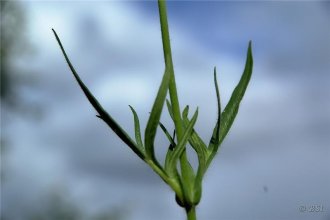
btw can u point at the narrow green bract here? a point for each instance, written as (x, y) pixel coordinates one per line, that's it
(180, 147)
(214, 142)
(187, 184)
(102, 113)
(137, 129)
(230, 111)
(155, 114)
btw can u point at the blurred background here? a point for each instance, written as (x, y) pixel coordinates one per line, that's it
(58, 161)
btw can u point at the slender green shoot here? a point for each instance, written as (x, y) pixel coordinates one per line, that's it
(186, 182)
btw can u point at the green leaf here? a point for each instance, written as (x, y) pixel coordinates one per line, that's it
(187, 172)
(173, 137)
(214, 142)
(168, 157)
(102, 113)
(185, 112)
(180, 147)
(195, 141)
(169, 108)
(151, 129)
(169, 137)
(231, 109)
(137, 129)
(202, 153)
(188, 178)
(170, 150)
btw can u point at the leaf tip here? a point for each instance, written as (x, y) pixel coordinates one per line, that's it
(215, 73)
(54, 32)
(250, 47)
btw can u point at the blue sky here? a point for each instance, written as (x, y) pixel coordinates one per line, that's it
(280, 139)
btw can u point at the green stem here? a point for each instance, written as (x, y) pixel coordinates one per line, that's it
(169, 62)
(178, 123)
(172, 182)
(191, 213)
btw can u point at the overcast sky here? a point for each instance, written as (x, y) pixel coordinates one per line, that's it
(276, 157)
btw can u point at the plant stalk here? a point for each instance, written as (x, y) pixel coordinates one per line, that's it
(191, 213)
(178, 123)
(169, 62)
